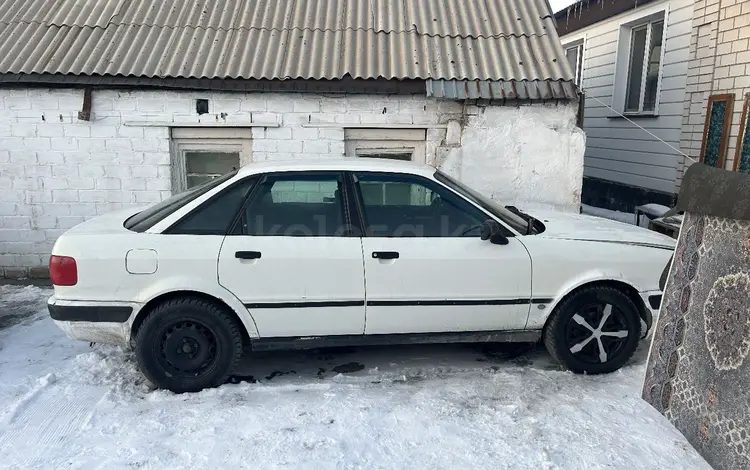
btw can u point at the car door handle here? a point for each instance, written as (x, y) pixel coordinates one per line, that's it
(247, 254)
(385, 254)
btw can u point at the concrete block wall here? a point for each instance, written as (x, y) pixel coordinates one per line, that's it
(719, 63)
(56, 170)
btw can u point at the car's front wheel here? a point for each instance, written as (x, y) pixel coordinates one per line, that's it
(188, 344)
(595, 330)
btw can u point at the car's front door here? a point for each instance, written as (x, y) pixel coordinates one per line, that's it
(426, 267)
(291, 260)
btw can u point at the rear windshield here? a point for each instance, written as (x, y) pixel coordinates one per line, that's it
(147, 218)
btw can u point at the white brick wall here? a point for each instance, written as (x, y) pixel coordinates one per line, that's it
(719, 64)
(56, 171)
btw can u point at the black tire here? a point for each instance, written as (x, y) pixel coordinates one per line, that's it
(564, 333)
(188, 344)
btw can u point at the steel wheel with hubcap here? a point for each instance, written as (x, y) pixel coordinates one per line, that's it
(188, 348)
(188, 344)
(595, 330)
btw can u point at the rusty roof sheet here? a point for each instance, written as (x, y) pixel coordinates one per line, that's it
(282, 39)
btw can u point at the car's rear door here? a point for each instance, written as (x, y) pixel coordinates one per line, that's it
(291, 259)
(426, 267)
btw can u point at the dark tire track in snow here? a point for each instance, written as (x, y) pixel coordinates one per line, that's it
(41, 423)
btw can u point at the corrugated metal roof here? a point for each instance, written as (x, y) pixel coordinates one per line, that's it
(71, 12)
(502, 90)
(432, 17)
(281, 39)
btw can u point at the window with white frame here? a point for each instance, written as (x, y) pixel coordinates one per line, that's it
(645, 63)
(639, 65)
(200, 155)
(397, 144)
(574, 54)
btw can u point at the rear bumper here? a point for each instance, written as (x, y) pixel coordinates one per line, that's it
(91, 321)
(90, 313)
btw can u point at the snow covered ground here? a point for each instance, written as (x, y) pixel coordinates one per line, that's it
(66, 405)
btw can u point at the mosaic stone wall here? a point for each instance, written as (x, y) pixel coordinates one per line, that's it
(698, 372)
(715, 133)
(743, 164)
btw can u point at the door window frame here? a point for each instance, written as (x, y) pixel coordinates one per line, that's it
(353, 205)
(236, 228)
(435, 186)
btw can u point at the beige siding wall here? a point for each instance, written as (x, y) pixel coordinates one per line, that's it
(719, 63)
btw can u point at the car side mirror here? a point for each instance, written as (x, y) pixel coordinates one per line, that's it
(492, 231)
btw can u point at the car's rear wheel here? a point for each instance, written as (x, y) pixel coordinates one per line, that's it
(595, 330)
(188, 344)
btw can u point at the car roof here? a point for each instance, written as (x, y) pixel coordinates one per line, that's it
(339, 164)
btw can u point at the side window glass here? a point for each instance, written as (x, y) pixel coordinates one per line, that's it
(394, 193)
(408, 206)
(304, 191)
(215, 215)
(297, 206)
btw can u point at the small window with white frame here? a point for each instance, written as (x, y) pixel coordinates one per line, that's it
(396, 144)
(639, 65)
(645, 64)
(574, 54)
(200, 155)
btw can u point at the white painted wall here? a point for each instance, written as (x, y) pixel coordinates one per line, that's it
(57, 171)
(617, 150)
(530, 156)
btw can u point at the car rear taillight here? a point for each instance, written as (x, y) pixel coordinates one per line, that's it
(63, 270)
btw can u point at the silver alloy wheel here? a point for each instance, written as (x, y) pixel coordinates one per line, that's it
(602, 342)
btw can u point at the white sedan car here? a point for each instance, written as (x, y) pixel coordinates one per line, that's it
(350, 252)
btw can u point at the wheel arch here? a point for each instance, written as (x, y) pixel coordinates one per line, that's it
(626, 288)
(245, 322)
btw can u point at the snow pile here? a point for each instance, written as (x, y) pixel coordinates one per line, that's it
(19, 303)
(65, 405)
(625, 217)
(113, 367)
(47, 380)
(656, 210)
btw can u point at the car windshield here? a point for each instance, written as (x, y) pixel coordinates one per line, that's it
(147, 218)
(517, 222)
